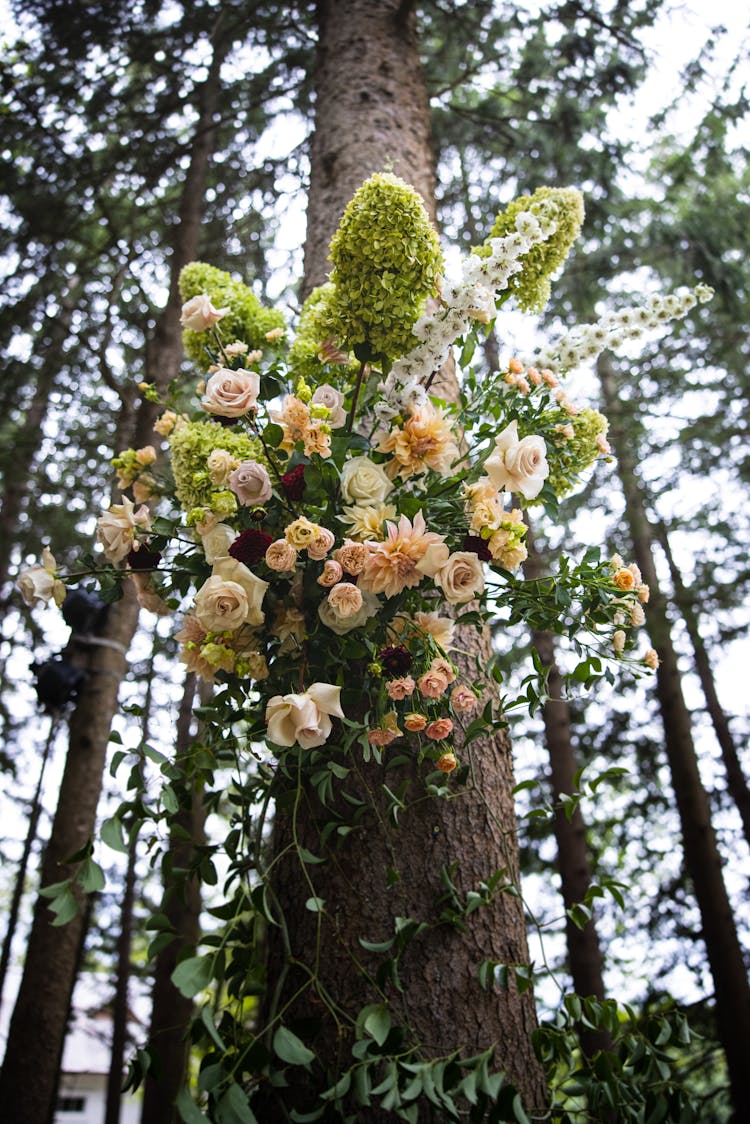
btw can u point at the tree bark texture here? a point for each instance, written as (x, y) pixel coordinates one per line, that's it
(171, 1011)
(372, 108)
(736, 780)
(37, 1028)
(584, 949)
(702, 859)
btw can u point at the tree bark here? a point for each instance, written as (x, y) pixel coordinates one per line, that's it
(584, 950)
(702, 859)
(171, 1011)
(372, 108)
(37, 1029)
(736, 781)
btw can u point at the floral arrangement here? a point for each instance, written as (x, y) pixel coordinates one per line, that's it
(334, 515)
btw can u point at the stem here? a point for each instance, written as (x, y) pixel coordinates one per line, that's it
(357, 386)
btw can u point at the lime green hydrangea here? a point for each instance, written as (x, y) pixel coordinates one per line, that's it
(564, 206)
(386, 262)
(569, 456)
(191, 444)
(247, 319)
(315, 328)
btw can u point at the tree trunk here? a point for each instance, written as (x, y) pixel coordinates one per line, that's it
(372, 109)
(701, 855)
(736, 782)
(37, 1028)
(584, 951)
(171, 1011)
(120, 1004)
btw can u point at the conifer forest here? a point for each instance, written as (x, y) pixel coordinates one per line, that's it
(373, 562)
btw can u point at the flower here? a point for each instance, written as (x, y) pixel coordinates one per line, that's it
(290, 627)
(231, 597)
(398, 689)
(147, 596)
(441, 629)
(333, 400)
(518, 466)
(352, 556)
(618, 641)
(463, 699)
(304, 719)
(477, 545)
(231, 394)
(415, 722)
(425, 442)
(317, 439)
(115, 530)
(320, 545)
(39, 584)
(301, 533)
(434, 682)
(166, 423)
(293, 483)
(395, 659)
(386, 732)
(332, 573)
(251, 484)
(651, 659)
(366, 520)
(408, 554)
(364, 482)
(220, 464)
(217, 541)
(281, 556)
(345, 599)
(249, 547)
(341, 625)
(198, 314)
(624, 579)
(461, 577)
(439, 729)
(447, 762)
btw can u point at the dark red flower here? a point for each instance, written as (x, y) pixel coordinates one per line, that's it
(143, 559)
(396, 659)
(474, 544)
(250, 547)
(293, 482)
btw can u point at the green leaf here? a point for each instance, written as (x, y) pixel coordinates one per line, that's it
(111, 833)
(315, 905)
(208, 1022)
(188, 1110)
(193, 975)
(91, 877)
(273, 435)
(65, 907)
(378, 1023)
(290, 1048)
(234, 1109)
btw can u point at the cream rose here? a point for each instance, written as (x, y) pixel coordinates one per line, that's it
(342, 625)
(198, 313)
(220, 465)
(364, 482)
(518, 466)
(251, 484)
(115, 530)
(230, 394)
(327, 395)
(461, 578)
(231, 597)
(345, 600)
(217, 541)
(38, 583)
(303, 719)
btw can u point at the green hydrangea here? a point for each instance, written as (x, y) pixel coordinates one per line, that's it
(315, 327)
(386, 262)
(191, 445)
(564, 205)
(569, 457)
(247, 319)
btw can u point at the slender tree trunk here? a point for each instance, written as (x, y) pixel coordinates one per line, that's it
(37, 1029)
(584, 950)
(702, 859)
(736, 781)
(20, 880)
(171, 1012)
(371, 109)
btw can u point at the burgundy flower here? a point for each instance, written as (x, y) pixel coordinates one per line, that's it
(293, 482)
(476, 545)
(396, 659)
(250, 547)
(143, 559)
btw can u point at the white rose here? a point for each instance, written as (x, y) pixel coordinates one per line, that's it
(115, 530)
(38, 583)
(461, 578)
(217, 542)
(230, 394)
(303, 718)
(327, 395)
(199, 314)
(255, 588)
(518, 466)
(364, 482)
(221, 606)
(340, 624)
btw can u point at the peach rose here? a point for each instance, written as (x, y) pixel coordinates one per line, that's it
(439, 729)
(332, 573)
(345, 599)
(320, 545)
(463, 700)
(624, 579)
(231, 394)
(398, 689)
(341, 625)
(304, 719)
(447, 762)
(352, 556)
(433, 683)
(281, 556)
(198, 313)
(415, 722)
